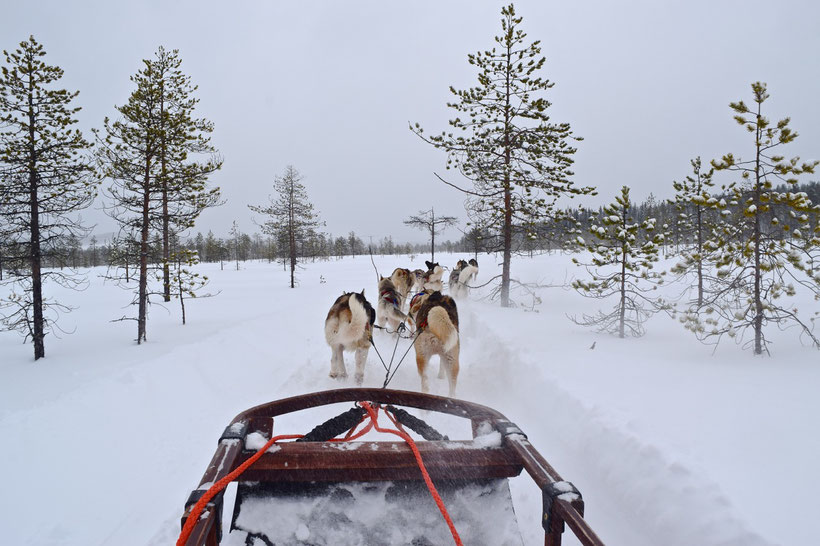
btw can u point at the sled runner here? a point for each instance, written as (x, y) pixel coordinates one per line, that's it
(326, 487)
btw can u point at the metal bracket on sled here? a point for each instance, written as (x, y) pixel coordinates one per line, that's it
(508, 428)
(215, 504)
(235, 431)
(564, 490)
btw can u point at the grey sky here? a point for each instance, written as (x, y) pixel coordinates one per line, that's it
(330, 86)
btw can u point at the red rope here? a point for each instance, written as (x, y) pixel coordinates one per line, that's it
(197, 509)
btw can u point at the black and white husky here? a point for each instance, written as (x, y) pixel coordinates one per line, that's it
(348, 327)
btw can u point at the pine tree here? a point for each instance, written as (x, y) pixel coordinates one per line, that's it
(182, 182)
(697, 209)
(767, 246)
(45, 178)
(129, 155)
(517, 159)
(290, 217)
(623, 254)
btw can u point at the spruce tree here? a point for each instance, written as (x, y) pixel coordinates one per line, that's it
(45, 178)
(290, 217)
(518, 160)
(624, 252)
(767, 249)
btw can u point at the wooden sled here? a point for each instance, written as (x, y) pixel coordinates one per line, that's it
(315, 491)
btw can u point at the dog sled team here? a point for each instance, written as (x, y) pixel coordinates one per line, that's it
(430, 315)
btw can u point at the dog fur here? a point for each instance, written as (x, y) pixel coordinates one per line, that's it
(432, 279)
(403, 281)
(437, 321)
(389, 305)
(348, 327)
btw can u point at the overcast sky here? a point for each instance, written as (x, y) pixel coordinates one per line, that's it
(330, 87)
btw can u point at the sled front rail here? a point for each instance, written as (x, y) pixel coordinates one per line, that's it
(387, 461)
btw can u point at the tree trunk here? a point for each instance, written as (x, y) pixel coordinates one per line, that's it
(166, 250)
(143, 280)
(38, 327)
(181, 291)
(292, 235)
(433, 236)
(758, 320)
(622, 318)
(700, 250)
(507, 230)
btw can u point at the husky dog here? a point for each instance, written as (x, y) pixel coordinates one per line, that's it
(432, 279)
(348, 327)
(437, 334)
(389, 304)
(452, 282)
(403, 281)
(466, 273)
(474, 263)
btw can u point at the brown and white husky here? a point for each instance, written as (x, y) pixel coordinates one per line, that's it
(403, 280)
(436, 318)
(389, 305)
(348, 327)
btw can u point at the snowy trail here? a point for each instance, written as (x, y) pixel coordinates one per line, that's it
(656, 500)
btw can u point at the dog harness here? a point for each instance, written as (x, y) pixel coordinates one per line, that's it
(387, 296)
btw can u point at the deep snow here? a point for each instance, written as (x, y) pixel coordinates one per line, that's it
(669, 443)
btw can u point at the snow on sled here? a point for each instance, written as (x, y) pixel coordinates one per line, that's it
(328, 488)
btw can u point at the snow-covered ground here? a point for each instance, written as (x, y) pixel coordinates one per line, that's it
(669, 443)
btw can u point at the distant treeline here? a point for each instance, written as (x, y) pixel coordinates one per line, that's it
(529, 239)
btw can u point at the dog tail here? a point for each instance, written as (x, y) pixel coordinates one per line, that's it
(339, 329)
(358, 317)
(466, 273)
(439, 323)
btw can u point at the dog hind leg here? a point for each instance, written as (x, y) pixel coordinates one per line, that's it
(452, 368)
(361, 359)
(421, 364)
(337, 362)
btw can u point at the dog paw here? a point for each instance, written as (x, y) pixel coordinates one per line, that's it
(337, 375)
(359, 379)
